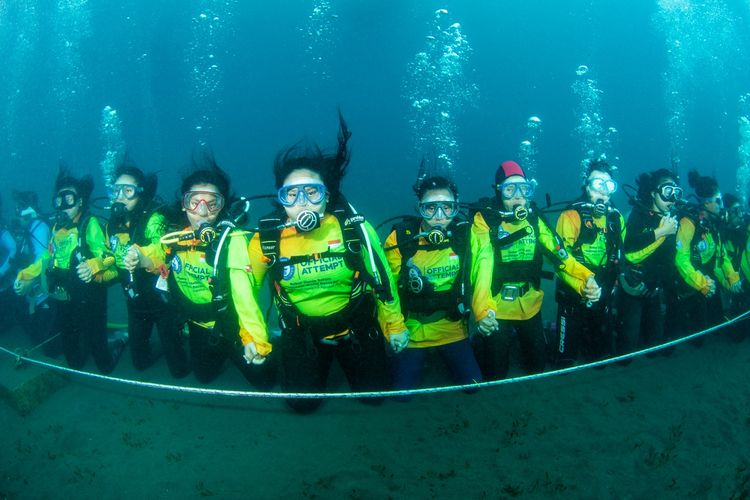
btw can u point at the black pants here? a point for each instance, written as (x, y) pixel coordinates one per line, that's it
(210, 348)
(493, 352)
(640, 322)
(145, 312)
(82, 320)
(582, 330)
(687, 314)
(10, 305)
(306, 362)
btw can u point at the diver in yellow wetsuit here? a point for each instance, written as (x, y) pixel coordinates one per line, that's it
(520, 237)
(702, 263)
(734, 234)
(328, 275)
(592, 231)
(442, 265)
(134, 231)
(75, 268)
(211, 284)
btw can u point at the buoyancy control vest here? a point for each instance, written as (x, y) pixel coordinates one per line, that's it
(518, 271)
(417, 294)
(352, 230)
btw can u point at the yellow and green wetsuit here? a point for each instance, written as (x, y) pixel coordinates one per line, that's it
(701, 254)
(320, 284)
(193, 273)
(442, 269)
(594, 241)
(519, 264)
(82, 308)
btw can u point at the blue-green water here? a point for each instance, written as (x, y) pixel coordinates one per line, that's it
(247, 78)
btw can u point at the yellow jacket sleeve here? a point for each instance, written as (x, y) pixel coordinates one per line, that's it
(569, 227)
(35, 269)
(482, 262)
(393, 255)
(389, 313)
(724, 270)
(258, 264)
(569, 270)
(251, 321)
(694, 278)
(156, 227)
(102, 260)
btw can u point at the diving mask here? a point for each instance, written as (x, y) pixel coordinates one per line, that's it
(294, 194)
(669, 192)
(433, 209)
(509, 190)
(124, 191)
(65, 199)
(211, 200)
(601, 185)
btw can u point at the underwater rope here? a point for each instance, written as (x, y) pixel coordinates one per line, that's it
(374, 394)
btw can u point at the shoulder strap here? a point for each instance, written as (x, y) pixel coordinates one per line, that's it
(406, 230)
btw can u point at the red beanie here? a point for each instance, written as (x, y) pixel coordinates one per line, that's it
(506, 169)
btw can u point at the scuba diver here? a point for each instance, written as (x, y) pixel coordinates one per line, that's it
(328, 275)
(592, 231)
(442, 265)
(134, 232)
(520, 236)
(8, 299)
(211, 284)
(31, 232)
(648, 267)
(75, 269)
(734, 234)
(702, 263)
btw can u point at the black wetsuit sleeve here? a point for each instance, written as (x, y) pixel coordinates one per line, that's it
(640, 232)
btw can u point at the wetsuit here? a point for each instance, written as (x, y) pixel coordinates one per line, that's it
(145, 293)
(434, 283)
(81, 307)
(700, 255)
(8, 300)
(37, 313)
(518, 247)
(596, 242)
(647, 270)
(219, 310)
(326, 307)
(736, 243)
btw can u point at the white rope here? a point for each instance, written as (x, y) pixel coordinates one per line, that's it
(371, 394)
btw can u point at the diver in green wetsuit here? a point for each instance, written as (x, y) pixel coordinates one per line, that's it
(702, 264)
(211, 284)
(76, 267)
(134, 232)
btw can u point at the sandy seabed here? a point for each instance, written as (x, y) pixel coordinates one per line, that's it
(663, 427)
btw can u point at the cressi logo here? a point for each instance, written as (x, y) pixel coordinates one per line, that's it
(287, 272)
(177, 264)
(113, 243)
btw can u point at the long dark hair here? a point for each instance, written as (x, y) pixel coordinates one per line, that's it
(330, 166)
(205, 170)
(703, 186)
(149, 182)
(84, 186)
(649, 182)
